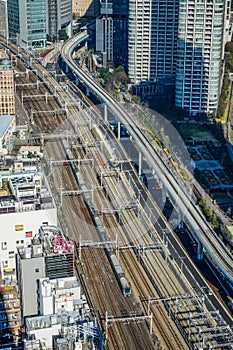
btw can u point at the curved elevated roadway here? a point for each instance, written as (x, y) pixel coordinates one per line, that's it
(192, 215)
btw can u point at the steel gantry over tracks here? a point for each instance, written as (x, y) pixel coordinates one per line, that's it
(205, 235)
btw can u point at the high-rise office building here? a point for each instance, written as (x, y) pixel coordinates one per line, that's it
(201, 39)
(104, 31)
(152, 39)
(59, 16)
(112, 31)
(120, 32)
(32, 23)
(3, 18)
(13, 19)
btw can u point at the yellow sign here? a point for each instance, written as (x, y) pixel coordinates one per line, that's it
(7, 288)
(18, 227)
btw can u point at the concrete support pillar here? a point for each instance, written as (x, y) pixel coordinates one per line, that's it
(199, 251)
(164, 194)
(118, 130)
(139, 164)
(105, 113)
(181, 224)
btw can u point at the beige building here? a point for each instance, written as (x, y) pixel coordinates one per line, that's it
(82, 8)
(7, 91)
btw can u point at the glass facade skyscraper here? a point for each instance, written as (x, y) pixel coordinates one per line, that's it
(32, 21)
(200, 54)
(13, 18)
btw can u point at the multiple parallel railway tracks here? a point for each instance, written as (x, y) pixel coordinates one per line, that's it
(109, 192)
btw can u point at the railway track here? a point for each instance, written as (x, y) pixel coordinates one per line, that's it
(193, 217)
(101, 289)
(78, 218)
(163, 325)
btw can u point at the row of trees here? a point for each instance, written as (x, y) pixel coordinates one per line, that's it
(114, 80)
(62, 35)
(209, 214)
(223, 99)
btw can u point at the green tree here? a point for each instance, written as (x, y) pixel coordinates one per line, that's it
(229, 46)
(164, 138)
(62, 35)
(115, 79)
(136, 99)
(224, 94)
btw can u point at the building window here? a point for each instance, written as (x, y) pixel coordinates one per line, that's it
(4, 245)
(11, 254)
(5, 263)
(28, 234)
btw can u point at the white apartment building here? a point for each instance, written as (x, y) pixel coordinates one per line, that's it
(152, 39)
(201, 40)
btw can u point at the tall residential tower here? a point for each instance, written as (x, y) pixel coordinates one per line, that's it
(201, 39)
(152, 39)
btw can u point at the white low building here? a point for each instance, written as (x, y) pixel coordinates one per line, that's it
(66, 329)
(63, 312)
(50, 255)
(58, 295)
(23, 209)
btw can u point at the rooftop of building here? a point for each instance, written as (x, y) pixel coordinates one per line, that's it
(5, 121)
(5, 63)
(34, 345)
(27, 191)
(49, 241)
(2, 54)
(61, 283)
(47, 321)
(75, 321)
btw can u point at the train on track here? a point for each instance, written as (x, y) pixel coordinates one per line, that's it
(122, 280)
(120, 276)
